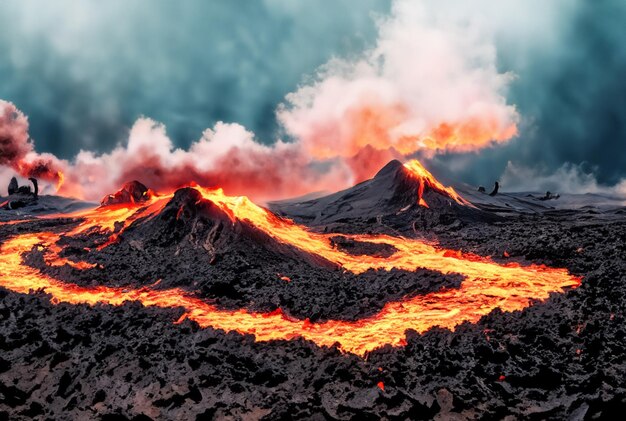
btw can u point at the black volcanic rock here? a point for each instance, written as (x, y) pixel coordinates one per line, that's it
(389, 191)
(188, 217)
(191, 222)
(560, 359)
(192, 243)
(563, 358)
(131, 192)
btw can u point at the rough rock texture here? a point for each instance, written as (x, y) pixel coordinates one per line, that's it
(131, 192)
(558, 359)
(561, 359)
(193, 244)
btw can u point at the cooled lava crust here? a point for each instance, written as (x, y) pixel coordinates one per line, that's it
(558, 359)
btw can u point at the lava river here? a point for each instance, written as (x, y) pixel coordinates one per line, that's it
(487, 285)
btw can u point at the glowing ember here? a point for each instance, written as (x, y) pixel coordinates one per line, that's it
(60, 180)
(487, 285)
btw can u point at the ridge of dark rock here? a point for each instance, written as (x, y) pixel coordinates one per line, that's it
(189, 221)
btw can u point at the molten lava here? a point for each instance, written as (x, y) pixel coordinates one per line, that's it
(425, 178)
(487, 285)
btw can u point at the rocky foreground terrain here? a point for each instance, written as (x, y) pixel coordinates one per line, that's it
(563, 358)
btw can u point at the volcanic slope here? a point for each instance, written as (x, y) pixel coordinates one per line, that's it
(398, 195)
(487, 285)
(232, 251)
(192, 242)
(560, 359)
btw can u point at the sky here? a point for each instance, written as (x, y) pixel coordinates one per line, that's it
(85, 72)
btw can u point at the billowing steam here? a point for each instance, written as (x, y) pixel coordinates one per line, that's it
(429, 85)
(226, 156)
(569, 178)
(18, 151)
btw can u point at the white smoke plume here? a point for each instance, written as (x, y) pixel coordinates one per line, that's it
(569, 178)
(429, 85)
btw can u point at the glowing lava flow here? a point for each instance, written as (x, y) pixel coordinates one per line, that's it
(424, 177)
(487, 285)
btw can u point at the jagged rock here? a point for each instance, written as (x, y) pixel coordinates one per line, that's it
(131, 192)
(13, 186)
(558, 359)
(496, 187)
(20, 196)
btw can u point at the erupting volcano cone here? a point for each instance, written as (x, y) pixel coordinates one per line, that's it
(395, 189)
(200, 220)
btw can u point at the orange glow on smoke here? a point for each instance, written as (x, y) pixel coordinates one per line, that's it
(487, 285)
(384, 126)
(60, 180)
(469, 135)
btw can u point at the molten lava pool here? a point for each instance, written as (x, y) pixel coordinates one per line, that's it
(486, 285)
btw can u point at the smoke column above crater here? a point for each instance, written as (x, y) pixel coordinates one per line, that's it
(429, 85)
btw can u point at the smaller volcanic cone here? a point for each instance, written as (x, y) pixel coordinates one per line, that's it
(192, 222)
(403, 185)
(131, 192)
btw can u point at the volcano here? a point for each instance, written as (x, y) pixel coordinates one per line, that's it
(397, 298)
(399, 193)
(191, 221)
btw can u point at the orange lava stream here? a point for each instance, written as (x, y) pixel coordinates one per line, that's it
(426, 178)
(487, 285)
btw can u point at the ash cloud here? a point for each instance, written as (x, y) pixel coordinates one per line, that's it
(226, 156)
(438, 79)
(17, 150)
(14, 140)
(569, 62)
(430, 83)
